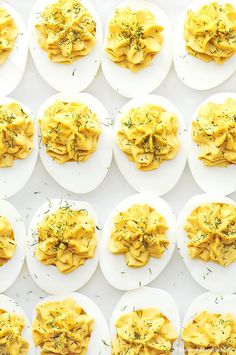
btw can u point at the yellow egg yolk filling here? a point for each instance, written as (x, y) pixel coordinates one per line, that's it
(8, 34)
(210, 32)
(149, 136)
(70, 131)
(66, 31)
(7, 241)
(62, 328)
(215, 133)
(211, 229)
(66, 239)
(139, 233)
(210, 333)
(134, 38)
(145, 331)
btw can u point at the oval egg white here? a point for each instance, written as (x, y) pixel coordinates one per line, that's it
(209, 275)
(147, 297)
(100, 338)
(14, 178)
(10, 271)
(48, 277)
(130, 84)
(114, 268)
(211, 179)
(164, 178)
(11, 306)
(81, 177)
(75, 76)
(194, 72)
(12, 70)
(211, 302)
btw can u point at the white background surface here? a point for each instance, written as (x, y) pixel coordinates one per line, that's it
(33, 91)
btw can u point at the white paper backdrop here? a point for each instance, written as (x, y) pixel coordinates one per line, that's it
(33, 91)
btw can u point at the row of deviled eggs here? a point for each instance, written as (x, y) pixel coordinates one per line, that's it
(63, 243)
(66, 43)
(149, 141)
(145, 320)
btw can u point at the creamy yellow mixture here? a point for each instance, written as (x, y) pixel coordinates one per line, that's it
(16, 134)
(62, 328)
(134, 38)
(8, 34)
(215, 133)
(139, 233)
(66, 239)
(210, 32)
(7, 241)
(211, 229)
(149, 136)
(210, 333)
(66, 31)
(11, 340)
(144, 332)
(70, 131)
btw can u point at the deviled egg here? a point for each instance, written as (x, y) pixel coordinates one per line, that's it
(138, 241)
(18, 146)
(13, 48)
(206, 241)
(12, 244)
(65, 42)
(204, 43)
(70, 310)
(209, 325)
(152, 315)
(75, 140)
(212, 144)
(15, 328)
(150, 144)
(137, 52)
(63, 245)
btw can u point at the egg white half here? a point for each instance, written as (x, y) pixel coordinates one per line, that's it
(75, 76)
(100, 338)
(48, 277)
(12, 70)
(147, 297)
(14, 178)
(193, 71)
(211, 179)
(11, 306)
(211, 276)
(130, 84)
(114, 267)
(211, 302)
(10, 271)
(164, 178)
(81, 177)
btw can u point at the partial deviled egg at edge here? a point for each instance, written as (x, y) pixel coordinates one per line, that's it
(162, 179)
(114, 266)
(193, 71)
(75, 74)
(48, 276)
(146, 298)
(208, 274)
(13, 67)
(12, 228)
(99, 338)
(12, 309)
(125, 81)
(213, 303)
(13, 178)
(77, 176)
(212, 178)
